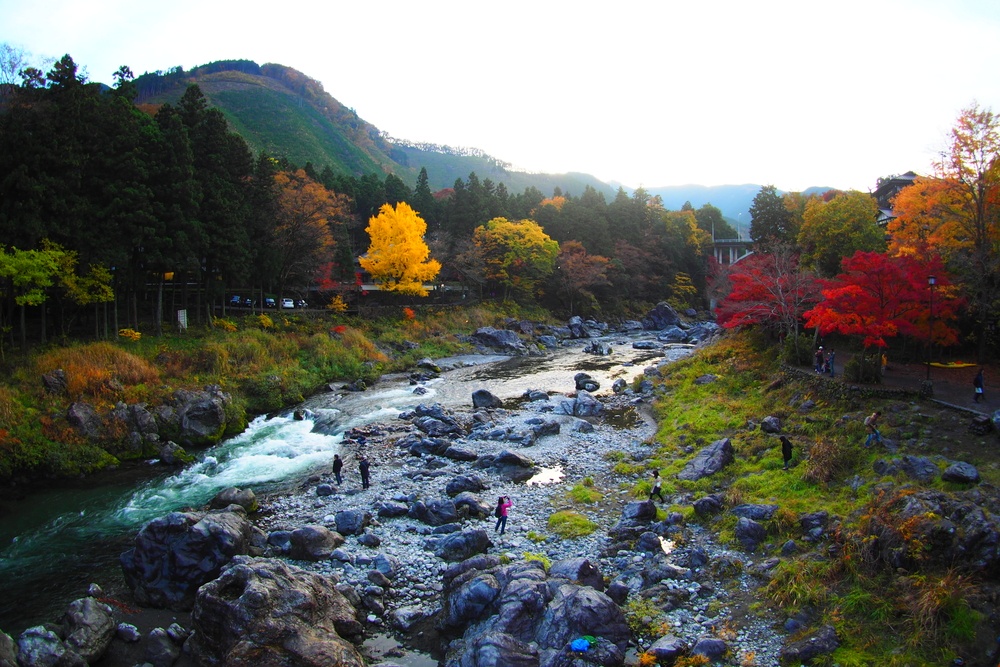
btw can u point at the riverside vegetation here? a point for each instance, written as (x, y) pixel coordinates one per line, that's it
(924, 608)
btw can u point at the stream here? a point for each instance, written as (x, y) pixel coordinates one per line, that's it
(55, 542)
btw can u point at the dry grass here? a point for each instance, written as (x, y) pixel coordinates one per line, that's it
(98, 370)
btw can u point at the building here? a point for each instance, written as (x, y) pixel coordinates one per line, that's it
(885, 191)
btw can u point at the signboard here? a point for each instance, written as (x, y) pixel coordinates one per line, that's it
(182, 320)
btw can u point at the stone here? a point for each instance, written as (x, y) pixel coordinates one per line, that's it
(313, 543)
(708, 461)
(88, 626)
(821, 642)
(961, 472)
(352, 522)
(459, 546)
(265, 612)
(481, 398)
(245, 498)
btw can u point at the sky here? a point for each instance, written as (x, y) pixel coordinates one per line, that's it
(667, 92)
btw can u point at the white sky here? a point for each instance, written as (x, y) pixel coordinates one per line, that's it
(667, 92)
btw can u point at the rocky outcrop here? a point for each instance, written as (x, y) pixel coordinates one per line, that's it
(499, 340)
(175, 554)
(265, 612)
(195, 418)
(708, 461)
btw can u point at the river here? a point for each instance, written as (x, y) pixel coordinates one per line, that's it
(56, 542)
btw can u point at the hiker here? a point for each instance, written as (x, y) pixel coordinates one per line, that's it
(657, 489)
(885, 363)
(503, 504)
(363, 467)
(977, 382)
(818, 360)
(786, 451)
(338, 465)
(871, 423)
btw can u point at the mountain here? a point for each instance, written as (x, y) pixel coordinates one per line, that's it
(285, 113)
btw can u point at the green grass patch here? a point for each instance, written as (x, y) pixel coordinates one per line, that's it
(568, 523)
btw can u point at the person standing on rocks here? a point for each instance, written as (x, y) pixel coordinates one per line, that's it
(657, 489)
(818, 360)
(338, 465)
(786, 451)
(871, 423)
(364, 467)
(977, 383)
(829, 362)
(503, 505)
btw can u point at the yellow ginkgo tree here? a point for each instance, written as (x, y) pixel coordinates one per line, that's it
(397, 258)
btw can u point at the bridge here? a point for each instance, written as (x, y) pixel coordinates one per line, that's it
(730, 251)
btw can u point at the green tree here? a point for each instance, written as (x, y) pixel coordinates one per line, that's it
(518, 255)
(834, 229)
(397, 258)
(710, 220)
(770, 221)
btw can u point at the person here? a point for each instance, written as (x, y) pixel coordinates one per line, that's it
(977, 382)
(885, 363)
(871, 423)
(363, 467)
(829, 362)
(338, 465)
(503, 505)
(818, 359)
(657, 489)
(786, 451)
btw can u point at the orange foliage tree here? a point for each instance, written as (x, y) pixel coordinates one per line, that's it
(577, 272)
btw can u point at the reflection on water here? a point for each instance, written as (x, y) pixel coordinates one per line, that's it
(547, 476)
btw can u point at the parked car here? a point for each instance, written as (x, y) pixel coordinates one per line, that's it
(249, 302)
(301, 304)
(287, 303)
(237, 300)
(269, 302)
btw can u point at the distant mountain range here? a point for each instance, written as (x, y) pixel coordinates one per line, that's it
(285, 113)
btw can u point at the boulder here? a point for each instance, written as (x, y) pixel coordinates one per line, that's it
(470, 601)
(88, 626)
(177, 553)
(708, 461)
(161, 649)
(84, 418)
(919, 468)
(481, 398)
(55, 382)
(313, 543)
(459, 546)
(757, 512)
(770, 424)
(660, 317)
(667, 649)
(8, 652)
(352, 522)
(493, 649)
(434, 512)
(821, 642)
(749, 533)
(463, 483)
(201, 415)
(39, 646)
(172, 454)
(961, 472)
(600, 348)
(576, 611)
(584, 382)
(265, 612)
(578, 570)
(245, 498)
(466, 504)
(500, 340)
(584, 405)
(672, 334)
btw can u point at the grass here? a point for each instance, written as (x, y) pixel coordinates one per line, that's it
(569, 523)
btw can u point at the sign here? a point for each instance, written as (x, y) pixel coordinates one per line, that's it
(182, 320)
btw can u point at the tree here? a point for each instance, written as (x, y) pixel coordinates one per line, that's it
(834, 229)
(518, 255)
(397, 258)
(769, 289)
(710, 220)
(878, 297)
(770, 221)
(959, 210)
(577, 272)
(302, 238)
(27, 274)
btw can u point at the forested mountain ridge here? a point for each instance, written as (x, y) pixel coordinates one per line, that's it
(285, 113)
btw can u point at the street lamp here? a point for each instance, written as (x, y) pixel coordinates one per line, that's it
(931, 281)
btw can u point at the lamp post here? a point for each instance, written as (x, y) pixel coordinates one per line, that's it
(931, 281)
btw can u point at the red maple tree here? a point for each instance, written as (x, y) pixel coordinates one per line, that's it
(879, 297)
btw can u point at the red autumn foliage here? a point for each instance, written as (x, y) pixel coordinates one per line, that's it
(879, 297)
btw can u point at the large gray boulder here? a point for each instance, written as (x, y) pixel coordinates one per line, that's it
(265, 612)
(245, 498)
(88, 626)
(84, 418)
(500, 340)
(576, 611)
(708, 461)
(434, 512)
(314, 543)
(200, 415)
(821, 642)
(40, 646)
(177, 553)
(482, 398)
(352, 522)
(579, 570)
(660, 317)
(462, 545)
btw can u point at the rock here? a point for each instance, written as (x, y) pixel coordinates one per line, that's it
(920, 468)
(84, 418)
(822, 642)
(391, 509)
(40, 647)
(324, 490)
(313, 542)
(770, 424)
(549, 427)
(600, 348)
(580, 610)
(667, 649)
(501, 340)
(710, 647)
(469, 602)
(708, 461)
(175, 554)
(708, 505)
(463, 545)
(463, 483)
(467, 504)
(548, 341)
(88, 626)
(660, 317)
(645, 345)
(961, 472)
(55, 382)
(201, 415)
(245, 498)
(128, 633)
(496, 649)
(584, 405)
(369, 539)
(600, 653)
(481, 398)
(161, 649)
(580, 570)
(459, 454)
(673, 334)
(172, 454)
(756, 512)
(265, 612)
(434, 512)
(352, 522)
(750, 533)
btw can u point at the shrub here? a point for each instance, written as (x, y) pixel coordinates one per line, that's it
(539, 557)
(98, 369)
(226, 325)
(568, 523)
(797, 351)
(830, 459)
(582, 493)
(129, 334)
(866, 368)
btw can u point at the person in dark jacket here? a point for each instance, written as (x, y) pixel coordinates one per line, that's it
(786, 451)
(364, 467)
(338, 465)
(977, 383)
(657, 489)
